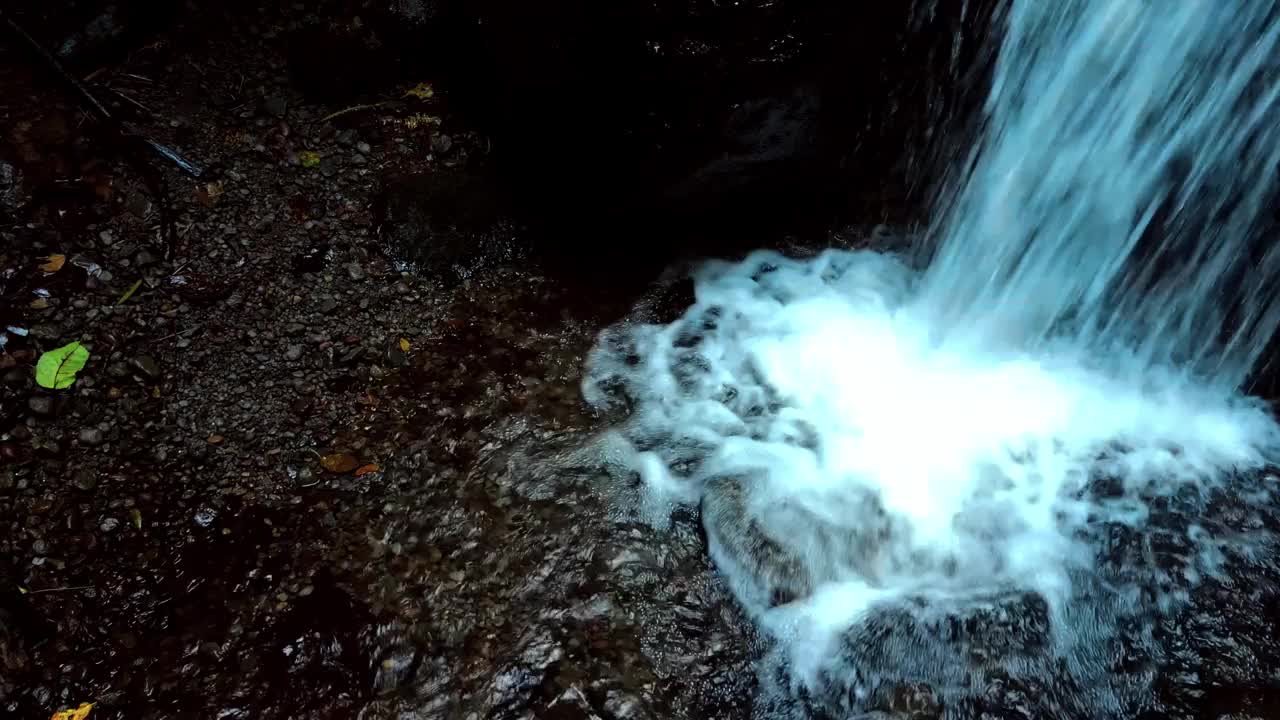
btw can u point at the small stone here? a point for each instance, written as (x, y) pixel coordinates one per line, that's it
(328, 305)
(41, 405)
(363, 147)
(85, 479)
(146, 365)
(355, 271)
(144, 258)
(40, 547)
(91, 437)
(109, 524)
(118, 370)
(293, 353)
(441, 144)
(106, 237)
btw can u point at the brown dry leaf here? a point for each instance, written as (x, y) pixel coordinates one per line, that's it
(39, 304)
(366, 469)
(339, 463)
(421, 91)
(209, 193)
(136, 516)
(215, 439)
(54, 264)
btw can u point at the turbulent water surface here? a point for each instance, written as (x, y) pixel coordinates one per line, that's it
(1010, 466)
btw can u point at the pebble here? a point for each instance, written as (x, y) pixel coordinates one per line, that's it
(109, 524)
(85, 479)
(293, 353)
(146, 365)
(328, 305)
(355, 271)
(41, 405)
(363, 147)
(91, 436)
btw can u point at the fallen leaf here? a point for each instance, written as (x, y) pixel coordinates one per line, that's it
(215, 439)
(404, 345)
(39, 304)
(366, 469)
(339, 463)
(57, 369)
(136, 516)
(129, 293)
(422, 91)
(55, 263)
(209, 193)
(79, 713)
(309, 158)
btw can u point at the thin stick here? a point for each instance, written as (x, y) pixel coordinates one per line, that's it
(60, 589)
(92, 103)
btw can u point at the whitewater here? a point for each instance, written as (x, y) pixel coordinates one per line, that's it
(990, 457)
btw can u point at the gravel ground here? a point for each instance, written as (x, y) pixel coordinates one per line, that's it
(297, 476)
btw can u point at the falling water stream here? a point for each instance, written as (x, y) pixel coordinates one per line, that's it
(995, 467)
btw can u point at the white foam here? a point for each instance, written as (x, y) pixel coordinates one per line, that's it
(817, 379)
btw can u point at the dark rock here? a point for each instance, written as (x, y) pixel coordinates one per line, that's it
(41, 405)
(328, 305)
(275, 105)
(13, 192)
(443, 220)
(146, 365)
(91, 437)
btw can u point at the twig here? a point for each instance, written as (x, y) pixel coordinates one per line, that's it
(58, 589)
(193, 328)
(92, 104)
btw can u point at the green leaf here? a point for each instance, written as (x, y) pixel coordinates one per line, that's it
(57, 369)
(309, 158)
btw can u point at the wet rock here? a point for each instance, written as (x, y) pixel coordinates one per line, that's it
(275, 105)
(91, 436)
(146, 365)
(13, 193)
(443, 220)
(41, 405)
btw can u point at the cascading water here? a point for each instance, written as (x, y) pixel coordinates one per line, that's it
(997, 469)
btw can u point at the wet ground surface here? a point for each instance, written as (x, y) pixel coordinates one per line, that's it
(290, 481)
(314, 470)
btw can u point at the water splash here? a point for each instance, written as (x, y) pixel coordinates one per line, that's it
(999, 469)
(1121, 183)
